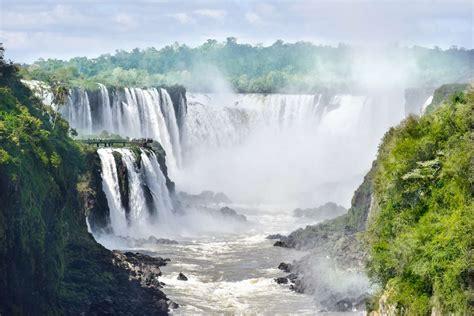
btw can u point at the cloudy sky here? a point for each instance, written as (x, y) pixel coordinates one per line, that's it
(31, 29)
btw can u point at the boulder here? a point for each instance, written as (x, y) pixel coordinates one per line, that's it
(281, 280)
(182, 277)
(284, 267)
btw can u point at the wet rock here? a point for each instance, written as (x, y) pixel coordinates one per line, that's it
(280, 243)
(143, 268)
(284, 267)
(182, 277)
(293, 277)
(281, 280)
(297, 286)
(143, 272)
(275, 236)
(172, 305)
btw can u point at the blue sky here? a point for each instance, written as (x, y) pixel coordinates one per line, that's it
(31, 29)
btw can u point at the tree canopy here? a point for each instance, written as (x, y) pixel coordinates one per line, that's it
(280, 67)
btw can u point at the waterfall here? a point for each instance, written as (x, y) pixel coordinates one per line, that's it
(106, 113)
(171, 123)
(303, 150)
(110, 185)
(149, 202)
(128, 112)
(232, 118)
(77, 111)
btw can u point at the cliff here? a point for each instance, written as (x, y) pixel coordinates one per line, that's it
(49, 263)
(420, 239)
(411, 220)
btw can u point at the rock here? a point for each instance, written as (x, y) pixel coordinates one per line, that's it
(281, 280)
(143, 272)
(293, 277)
(297, 286)
(228, 212)
(172, 305)
(280, 243)
(284, 267)
(182, 277)
(326, 211)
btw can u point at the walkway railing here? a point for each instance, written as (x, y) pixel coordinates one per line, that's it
(100, 142)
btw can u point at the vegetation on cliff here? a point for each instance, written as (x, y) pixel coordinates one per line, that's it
(286, 67)
(49, 263)
(421, 238)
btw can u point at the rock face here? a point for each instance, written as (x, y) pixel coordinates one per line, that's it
(337, 237)
(49, 263)
(321, 213)
(141, 267)
(93, 197)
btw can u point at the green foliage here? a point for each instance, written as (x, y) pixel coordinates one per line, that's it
(34, 184)
(285, 67)
(421, 237)
(442, 94)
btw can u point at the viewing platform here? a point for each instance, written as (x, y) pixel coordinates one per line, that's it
(99, 142)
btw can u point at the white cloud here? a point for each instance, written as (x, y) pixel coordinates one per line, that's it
(182, 18)
(253, 17)
(211, 13)
(125, 22)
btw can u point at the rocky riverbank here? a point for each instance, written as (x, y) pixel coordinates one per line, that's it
(336, 254)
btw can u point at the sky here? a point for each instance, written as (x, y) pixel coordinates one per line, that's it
(31, 29)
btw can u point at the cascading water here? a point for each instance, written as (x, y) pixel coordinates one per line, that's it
(129, 112)
(148, 202)
(302, 150)
(270, 153)
(171, 123)
(77, 111)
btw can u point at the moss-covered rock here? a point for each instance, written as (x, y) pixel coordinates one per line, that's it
(94, 200)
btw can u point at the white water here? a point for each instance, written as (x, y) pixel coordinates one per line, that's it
(426, 104)
(271, 154)
(298, 150)
(130, 112)
(142, 217)
(77, 111)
